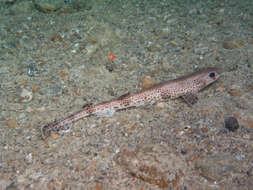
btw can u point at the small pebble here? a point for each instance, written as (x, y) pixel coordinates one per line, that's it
(153, 48)
(184, 151)
(231, 124)
(25, 95)
(160, 105)
(32, 70)
(55, 136)
(147, 82)
(12, 123)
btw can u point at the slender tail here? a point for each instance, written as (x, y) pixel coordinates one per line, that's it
(46, 130)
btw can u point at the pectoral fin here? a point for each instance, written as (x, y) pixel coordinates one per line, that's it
(123, 96)
(190, 99)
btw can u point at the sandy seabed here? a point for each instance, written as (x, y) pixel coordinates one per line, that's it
(52, 64)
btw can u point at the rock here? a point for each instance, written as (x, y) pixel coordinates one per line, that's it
(231, 124)
(160, 105)
(154, 47)
(11, 123)
(25, 95)
(147, 82)
(162, 33)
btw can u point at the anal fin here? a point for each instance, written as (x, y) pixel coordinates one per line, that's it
(190, 99)
(123, 96)
(108, 113)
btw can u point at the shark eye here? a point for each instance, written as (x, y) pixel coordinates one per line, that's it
(212, 75)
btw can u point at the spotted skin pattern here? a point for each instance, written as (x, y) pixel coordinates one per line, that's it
(190, 84)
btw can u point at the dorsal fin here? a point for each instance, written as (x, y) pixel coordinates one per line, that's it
(87, 105)
(123, 96)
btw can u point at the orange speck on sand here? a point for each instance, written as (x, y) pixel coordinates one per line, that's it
(35, 88)
(55, 136)
(63, 74)
(111, 57)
